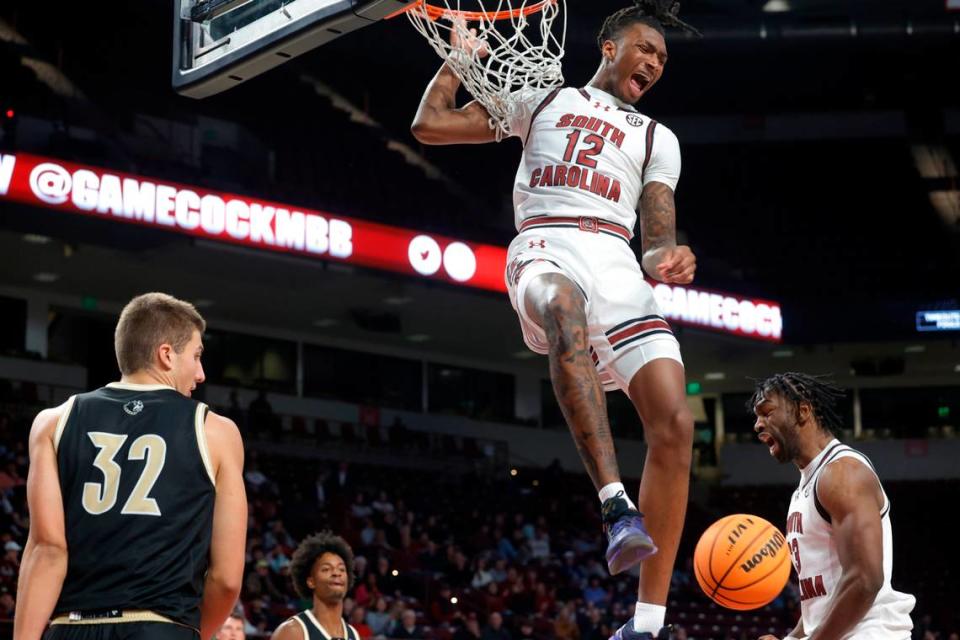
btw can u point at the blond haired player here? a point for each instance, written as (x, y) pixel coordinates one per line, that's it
(138, 514)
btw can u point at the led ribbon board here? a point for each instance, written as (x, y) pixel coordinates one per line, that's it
(270, 226)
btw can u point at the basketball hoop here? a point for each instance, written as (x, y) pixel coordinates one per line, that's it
(435, 12)
(504, 58)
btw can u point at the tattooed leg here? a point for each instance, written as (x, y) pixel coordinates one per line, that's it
(557, 304)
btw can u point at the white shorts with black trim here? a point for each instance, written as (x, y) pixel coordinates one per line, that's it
(625, 325)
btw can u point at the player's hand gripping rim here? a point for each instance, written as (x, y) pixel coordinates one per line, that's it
(466, 40)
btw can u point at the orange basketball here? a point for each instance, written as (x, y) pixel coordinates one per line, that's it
(742, 562)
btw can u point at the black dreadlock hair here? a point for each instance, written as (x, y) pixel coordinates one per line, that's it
(821, 394)
(301, 565)
(656, 14)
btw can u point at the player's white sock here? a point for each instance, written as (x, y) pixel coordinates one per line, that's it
(611, 490)
(648, 618)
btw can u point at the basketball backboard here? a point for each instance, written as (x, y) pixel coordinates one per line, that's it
(217, 44)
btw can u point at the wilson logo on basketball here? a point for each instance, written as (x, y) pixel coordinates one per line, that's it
(768, 551)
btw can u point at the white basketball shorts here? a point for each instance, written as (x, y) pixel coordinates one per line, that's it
(625, 325)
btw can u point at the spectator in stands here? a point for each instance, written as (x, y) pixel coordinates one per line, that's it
(358, 621)
(278, 559)
(504, 547)
(259, 583)
(442, 609)
(540, 544)
(458, 572)
(565, 626)
(544, 597)
(255, 478)
(10, 477)
(493, 600)
(232, 629)
(526, 630)
(10, 562)
(595, 594)
(481, 575)
(407, 628)
(593, 626)
(258, 617)
(368, 533)
(378, 618)
(430, 559)
(391, 532)
(494, 629)
(386, 581)
(277, 536)
(469, 628)
(7, 604)
(360, 509)
(367, 592)
(360, 569)
(382, 504)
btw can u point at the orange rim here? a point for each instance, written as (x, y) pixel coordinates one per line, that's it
(435, 13)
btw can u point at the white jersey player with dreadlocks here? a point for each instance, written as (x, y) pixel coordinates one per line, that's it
(590, 161)
(838, 527)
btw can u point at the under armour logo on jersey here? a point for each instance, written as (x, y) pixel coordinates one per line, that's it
(133, 407)
(599, 105)
(538, 243)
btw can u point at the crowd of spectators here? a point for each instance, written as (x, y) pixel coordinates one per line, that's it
(464, 556)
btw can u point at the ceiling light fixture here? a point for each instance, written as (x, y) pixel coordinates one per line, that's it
(776, 6)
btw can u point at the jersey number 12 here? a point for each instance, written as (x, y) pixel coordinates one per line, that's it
(585, 157)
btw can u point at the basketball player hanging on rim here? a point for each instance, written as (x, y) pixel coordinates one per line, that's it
(138, 514)
(838, 527)
(589, 160)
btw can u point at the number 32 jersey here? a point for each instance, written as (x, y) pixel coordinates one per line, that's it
(586, 153)
(138, 494)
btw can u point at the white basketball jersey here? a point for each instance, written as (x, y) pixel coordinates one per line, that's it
(586, 153)
(813, 552)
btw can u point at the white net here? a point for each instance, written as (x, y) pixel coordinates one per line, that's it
(515, 48)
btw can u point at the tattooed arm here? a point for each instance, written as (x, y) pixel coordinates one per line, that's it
(663, 259)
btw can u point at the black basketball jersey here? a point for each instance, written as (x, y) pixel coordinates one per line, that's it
(138, 495)
(313, 630)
